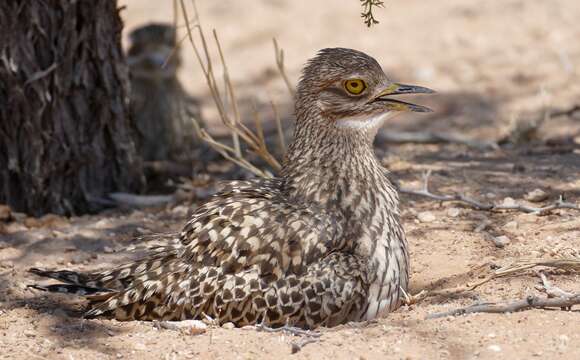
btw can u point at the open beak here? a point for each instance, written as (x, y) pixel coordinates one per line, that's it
(400, 89)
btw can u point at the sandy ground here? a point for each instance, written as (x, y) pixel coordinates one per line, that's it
(492, 62)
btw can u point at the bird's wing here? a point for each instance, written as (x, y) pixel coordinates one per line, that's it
(240, 246)
(251, 223)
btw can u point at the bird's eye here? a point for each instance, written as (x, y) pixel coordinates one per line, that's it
(355, 86)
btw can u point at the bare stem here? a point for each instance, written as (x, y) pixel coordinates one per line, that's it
(238, 130)
(280, 64)
(279, 128)
(530, 302)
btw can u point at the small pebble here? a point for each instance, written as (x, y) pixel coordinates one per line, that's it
(536, 195)
(228, 325)
(453, 212)
(508, 201)
(494, 348)
(184, 324)
(501, 241)
(490, 195)
(426, 217)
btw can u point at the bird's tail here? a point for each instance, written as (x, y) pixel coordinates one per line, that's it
(71, 282)
(100, 286)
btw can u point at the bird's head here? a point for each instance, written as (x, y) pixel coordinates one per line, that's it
(348, 89)
(152, 53)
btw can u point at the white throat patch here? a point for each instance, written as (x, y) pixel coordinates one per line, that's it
(363, 123)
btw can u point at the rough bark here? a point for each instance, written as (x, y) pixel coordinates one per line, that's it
(66, 135)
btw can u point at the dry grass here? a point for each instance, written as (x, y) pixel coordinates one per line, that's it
(242, 136)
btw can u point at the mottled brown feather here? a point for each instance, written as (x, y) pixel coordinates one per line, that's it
(320, 245)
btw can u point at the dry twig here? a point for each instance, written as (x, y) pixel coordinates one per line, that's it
(306, 336)
(570, 112)
(551, 290)
(279, 53)
(557, 298)
(238, 130)
(514, 268)
(280, 130)
(530, 302)
(477, 205)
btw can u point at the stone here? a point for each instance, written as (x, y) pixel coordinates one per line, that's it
(508, 201)
(536, 195)
(184, 324)
(501, 241)
(426, 217)
(453, 212)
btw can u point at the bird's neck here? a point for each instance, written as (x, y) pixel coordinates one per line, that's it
(335, 168)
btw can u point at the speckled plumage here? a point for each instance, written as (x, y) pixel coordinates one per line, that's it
(320, 245)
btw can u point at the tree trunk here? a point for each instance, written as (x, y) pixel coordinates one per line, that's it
(66, 135)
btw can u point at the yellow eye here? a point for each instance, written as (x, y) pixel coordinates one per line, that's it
(355, 86)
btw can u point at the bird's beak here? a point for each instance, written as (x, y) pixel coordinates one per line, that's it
(400, 89)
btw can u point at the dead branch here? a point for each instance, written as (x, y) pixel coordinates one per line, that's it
(280, 130)
(289, 330)
(306, 336)
(477, 205)
(551, 290)
(570, 112)
(515, 268)
(530, 302)
(232, 97)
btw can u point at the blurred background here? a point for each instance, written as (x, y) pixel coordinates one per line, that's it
(491, 61)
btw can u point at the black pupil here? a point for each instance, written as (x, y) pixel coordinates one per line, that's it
(354, 84)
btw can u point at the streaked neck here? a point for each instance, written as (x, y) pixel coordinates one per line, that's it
(327, 164)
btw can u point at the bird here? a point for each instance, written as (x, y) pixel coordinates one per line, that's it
(321, 244)
(163, 112)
